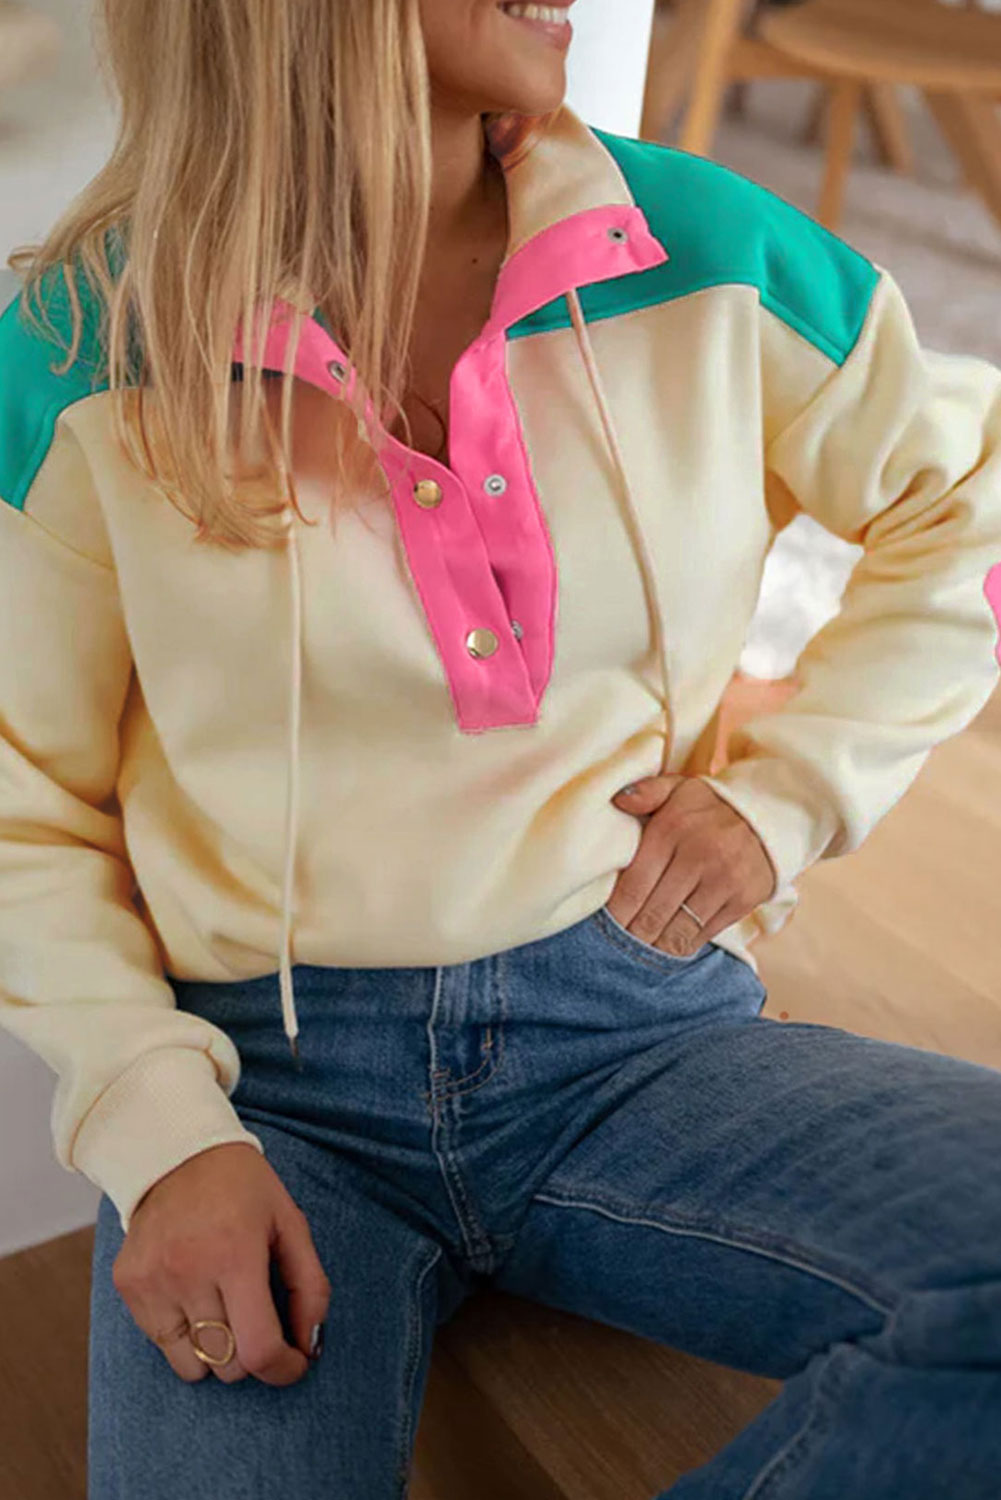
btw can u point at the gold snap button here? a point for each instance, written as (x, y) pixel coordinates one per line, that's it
(427, 493)
(481, 643)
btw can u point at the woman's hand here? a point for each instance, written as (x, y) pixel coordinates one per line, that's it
(199, 1245)
(695, 848)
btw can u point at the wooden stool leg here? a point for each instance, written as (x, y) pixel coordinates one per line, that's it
(887, 118)
(889, 124)
(845, 97)
(674, 43)
(972, 128)
(721, 27)
(813, 130)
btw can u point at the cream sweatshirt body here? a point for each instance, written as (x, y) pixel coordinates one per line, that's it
(394, 743)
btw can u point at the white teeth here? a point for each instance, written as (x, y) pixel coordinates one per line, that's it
(553, 13)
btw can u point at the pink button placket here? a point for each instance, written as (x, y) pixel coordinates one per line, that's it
(483, 559)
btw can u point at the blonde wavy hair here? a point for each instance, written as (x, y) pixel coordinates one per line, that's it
(266, 149)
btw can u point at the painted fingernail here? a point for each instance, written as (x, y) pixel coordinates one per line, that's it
(316, 1340)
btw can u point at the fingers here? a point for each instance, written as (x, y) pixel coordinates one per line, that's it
(254, 1320)
(648, 794)
(694, 848)
(216, 1342)
(179, 1291)
(648, 895)
(198, 1249)
(662, 923)
(656, 917)
(303, 1274)
(170, 1323)
(168, 1329)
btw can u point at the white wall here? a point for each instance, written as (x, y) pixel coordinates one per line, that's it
(606, 68)
(54, 134)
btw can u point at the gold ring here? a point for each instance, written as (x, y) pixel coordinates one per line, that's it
(203, 1355)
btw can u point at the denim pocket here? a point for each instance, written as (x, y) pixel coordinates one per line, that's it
(620, 937)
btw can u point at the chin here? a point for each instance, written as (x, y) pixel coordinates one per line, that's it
(523, 81)
(542, 102)
(536, 90)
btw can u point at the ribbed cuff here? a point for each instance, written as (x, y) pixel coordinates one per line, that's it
(167, 1106)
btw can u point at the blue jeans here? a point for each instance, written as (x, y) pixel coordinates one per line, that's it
(593, 1124)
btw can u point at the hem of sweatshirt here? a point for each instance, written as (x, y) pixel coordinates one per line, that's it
(167, 1106)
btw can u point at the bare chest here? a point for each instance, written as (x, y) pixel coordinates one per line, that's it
(450, 316)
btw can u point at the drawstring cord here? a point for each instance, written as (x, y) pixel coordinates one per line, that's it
(640, 542)
(292, 804)
(295, 714)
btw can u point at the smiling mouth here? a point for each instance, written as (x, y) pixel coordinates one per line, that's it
(550, 21)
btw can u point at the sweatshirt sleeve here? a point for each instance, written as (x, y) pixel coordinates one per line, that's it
(141, 1086)
(898, 451)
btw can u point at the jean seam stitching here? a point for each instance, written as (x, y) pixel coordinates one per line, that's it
(827, 1388)
(457, 1085)
(466, 1084)
(414, 1328)
(492, 1063)
(793, 1257)
(475, 1237)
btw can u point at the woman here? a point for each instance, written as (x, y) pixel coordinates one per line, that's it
(358, 761)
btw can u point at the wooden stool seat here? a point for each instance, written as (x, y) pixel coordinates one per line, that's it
(859, 51)
(918, 42)
(953, 56)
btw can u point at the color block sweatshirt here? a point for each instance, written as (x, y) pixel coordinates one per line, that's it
(396, 743)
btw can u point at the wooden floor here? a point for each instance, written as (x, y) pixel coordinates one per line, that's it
(900, 940)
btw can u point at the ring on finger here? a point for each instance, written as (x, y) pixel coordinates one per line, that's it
(679, 943)
(685, 908)
(203, 1354)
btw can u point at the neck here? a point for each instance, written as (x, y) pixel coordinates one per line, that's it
(467, 190)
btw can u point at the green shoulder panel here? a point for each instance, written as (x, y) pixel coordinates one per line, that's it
(31, 394)
(722, 229)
